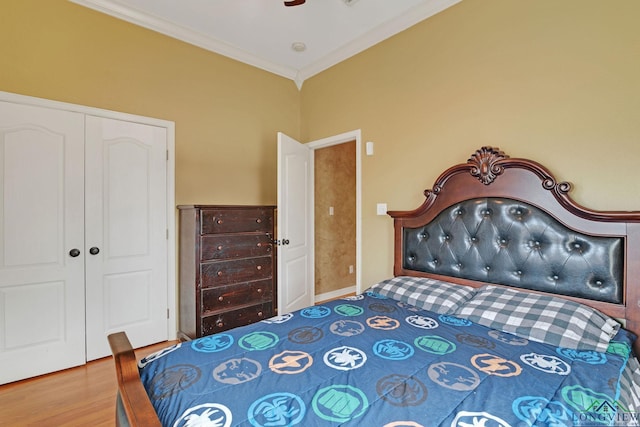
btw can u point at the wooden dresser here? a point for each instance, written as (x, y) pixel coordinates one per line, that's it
(227, 267)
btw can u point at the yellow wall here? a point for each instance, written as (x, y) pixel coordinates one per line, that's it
(226, 113)
(554, 81)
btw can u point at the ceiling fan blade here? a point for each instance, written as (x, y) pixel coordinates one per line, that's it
(294, 2)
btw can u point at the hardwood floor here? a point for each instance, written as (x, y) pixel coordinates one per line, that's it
(82, 396)
(331, 299)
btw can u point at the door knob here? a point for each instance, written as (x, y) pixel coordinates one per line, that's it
(74, 252)
(285, 241)
(94, 251)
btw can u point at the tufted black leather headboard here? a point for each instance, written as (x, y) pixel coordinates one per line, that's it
(508, 242)
(508, 221)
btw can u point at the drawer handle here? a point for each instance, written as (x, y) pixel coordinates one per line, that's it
(219, 247)
(219, 221)
(259, 314)
(259, 220)
(219, 273)
(219, 324)
(220, 299)
(259, 267)
(259, 290)
(259, 244)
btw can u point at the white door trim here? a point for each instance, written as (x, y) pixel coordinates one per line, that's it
(341, 139)
(171, 208)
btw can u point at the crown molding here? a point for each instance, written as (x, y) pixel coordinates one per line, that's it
(380, 33)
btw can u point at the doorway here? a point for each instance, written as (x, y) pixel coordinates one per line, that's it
(335, 220)
(333, 279)
(295, 229)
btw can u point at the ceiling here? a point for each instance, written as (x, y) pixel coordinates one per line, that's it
(262, 32)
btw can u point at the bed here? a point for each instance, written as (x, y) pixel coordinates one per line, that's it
(510, 305)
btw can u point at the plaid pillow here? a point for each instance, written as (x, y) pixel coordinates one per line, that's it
(541, 318)
(427, 294)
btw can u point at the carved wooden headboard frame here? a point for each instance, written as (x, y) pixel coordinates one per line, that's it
(489, 173)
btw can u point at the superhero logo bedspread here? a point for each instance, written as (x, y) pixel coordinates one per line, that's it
(372, 361)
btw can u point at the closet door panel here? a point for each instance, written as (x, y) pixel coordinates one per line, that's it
(41, 222)
(126, 202)
(39, 215)
(126, 224)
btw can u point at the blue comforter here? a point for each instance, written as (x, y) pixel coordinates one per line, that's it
(371, 361)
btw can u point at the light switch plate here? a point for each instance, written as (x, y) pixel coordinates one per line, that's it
(381, 208)
(369, 148)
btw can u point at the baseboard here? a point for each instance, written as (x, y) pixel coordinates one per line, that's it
(335, 294)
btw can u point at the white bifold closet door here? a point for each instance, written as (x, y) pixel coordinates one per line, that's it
(83, 237)
(42, 321)
(125, 232)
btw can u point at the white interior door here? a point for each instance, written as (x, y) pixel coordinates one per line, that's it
(42, 313)
(295, 230)
(126, 233)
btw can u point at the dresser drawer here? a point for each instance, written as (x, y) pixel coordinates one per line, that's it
(226, 297)
(218, 273)
(224, 246)
(231, 319)
(236, 220)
